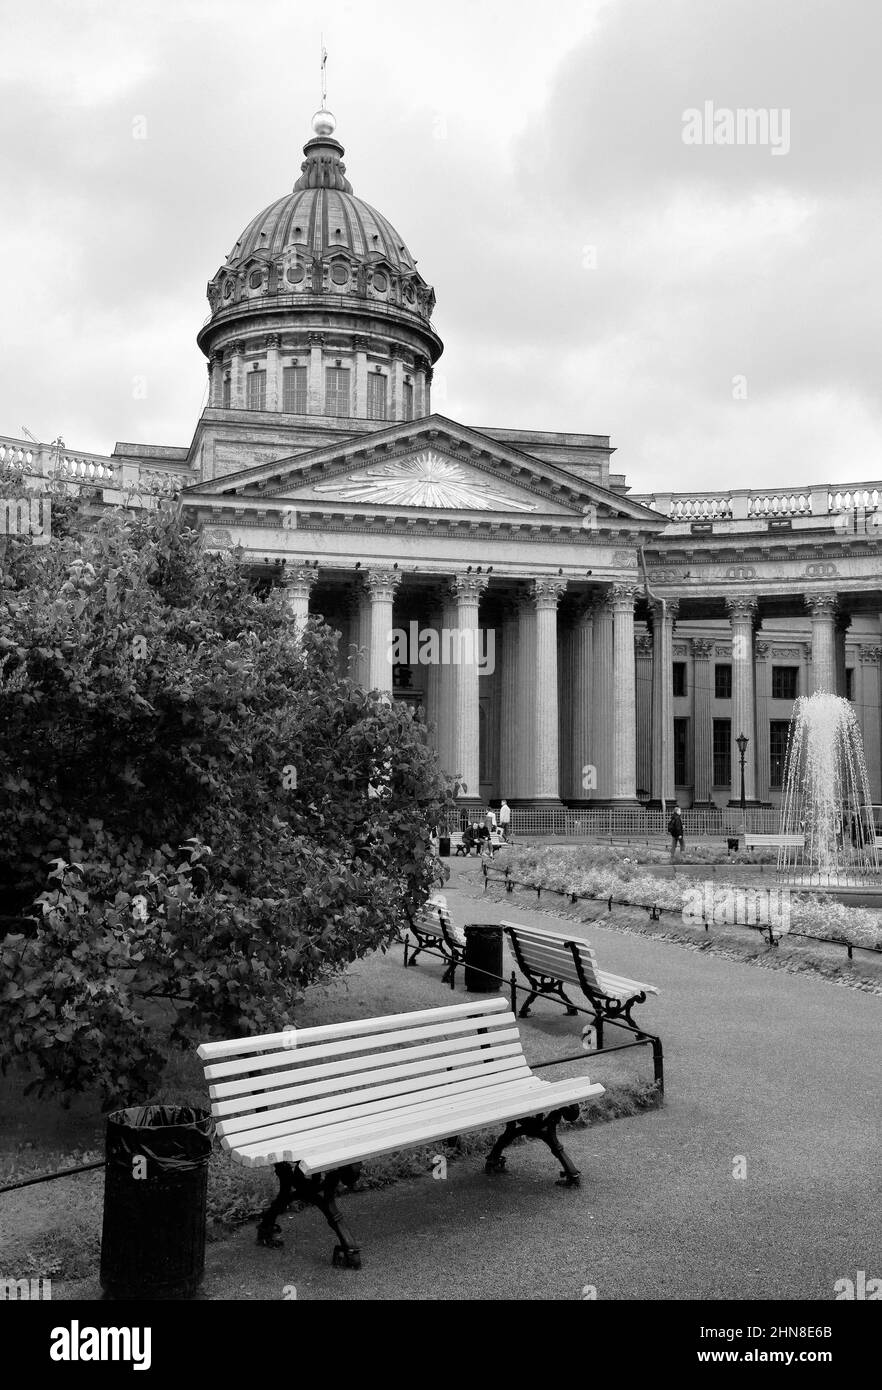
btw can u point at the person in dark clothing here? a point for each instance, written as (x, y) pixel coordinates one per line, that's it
(675, 830)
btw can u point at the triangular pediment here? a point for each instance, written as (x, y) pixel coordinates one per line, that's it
(429, 464)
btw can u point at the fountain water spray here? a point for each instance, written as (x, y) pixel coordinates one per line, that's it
(826, 812)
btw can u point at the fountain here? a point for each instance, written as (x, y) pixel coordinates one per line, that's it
(826, 814)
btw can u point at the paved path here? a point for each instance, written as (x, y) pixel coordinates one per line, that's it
(781, 1069)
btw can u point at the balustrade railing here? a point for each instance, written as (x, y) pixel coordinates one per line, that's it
(624, 821)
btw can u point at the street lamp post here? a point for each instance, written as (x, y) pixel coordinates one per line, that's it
(742, 740)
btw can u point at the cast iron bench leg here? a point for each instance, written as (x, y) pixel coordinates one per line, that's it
(268, 1228)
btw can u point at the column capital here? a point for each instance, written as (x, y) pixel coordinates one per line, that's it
(316, 339)
(547, 590)
(467, 587)
(622, 596)
(299, 580)
(670, 607)
(583, 611)
(272, 340)
(741, 607)
(822, 605)
(360, 342)
(643, 645)
(870, 656)
(761, 650)
(382, 583)
(702, 648)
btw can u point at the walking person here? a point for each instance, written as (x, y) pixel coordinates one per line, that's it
(505, 820)
(675, 830)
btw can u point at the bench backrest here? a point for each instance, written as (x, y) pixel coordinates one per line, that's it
(544, 953)
(434, 920)
(277, 1083)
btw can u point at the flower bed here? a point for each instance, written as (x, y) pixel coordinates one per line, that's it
(605, 872)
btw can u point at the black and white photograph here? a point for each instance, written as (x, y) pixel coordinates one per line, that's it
(440, 678)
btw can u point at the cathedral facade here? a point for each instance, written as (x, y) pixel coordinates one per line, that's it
(565, 641)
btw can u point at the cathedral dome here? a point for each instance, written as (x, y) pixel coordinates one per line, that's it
(322, 240)
(320, 276)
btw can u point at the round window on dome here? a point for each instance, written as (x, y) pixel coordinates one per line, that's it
(255, 279)
(295, 274)
(339, 274)
(381, 284)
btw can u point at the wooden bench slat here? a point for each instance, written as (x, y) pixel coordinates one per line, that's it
(300, 1052)
(326, 1129)
(354, 1028)
(463, 1078)
(332, 1076)
(482, 1112)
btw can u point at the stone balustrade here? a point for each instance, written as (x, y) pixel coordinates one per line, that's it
(745, 504)
(95, 470)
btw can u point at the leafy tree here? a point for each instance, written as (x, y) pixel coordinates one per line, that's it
(153, 704)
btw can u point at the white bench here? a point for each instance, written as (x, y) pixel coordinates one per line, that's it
(549, 961)
(316, 1102)
(432, 927)
(752, 841)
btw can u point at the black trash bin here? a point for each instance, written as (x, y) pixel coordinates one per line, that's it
(731, 843)
(483, 958)
(444, 846)
(156, 1179)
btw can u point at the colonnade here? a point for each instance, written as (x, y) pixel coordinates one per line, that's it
(568, 691)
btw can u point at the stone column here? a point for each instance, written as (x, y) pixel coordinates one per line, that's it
(763, 695)
(603, 697)
(299, 582)
(216, 373)
(508, 731)
(466, 590)
(583, 772)
(395, 404)
(360, 343)
(643, 674)
(663, 619)
(446, 690)
(433, 678)
(545, 594)
(316, 384)
(273, 373)
(237, 377)
(868, 694)
(625, 709)
(526, 698)
(381, 585)
(841, 625)
(822, 608)
(702, 721)
(742, 614)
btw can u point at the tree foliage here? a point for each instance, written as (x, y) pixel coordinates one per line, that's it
(201, 813)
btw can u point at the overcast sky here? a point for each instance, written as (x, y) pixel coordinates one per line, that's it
(715, 309)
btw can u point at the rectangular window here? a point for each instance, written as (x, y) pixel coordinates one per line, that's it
(785, 682)
(723, 681)
(228, 392)
(681, 747)
(723, 752)
(408, 400)
(679, 677)
(337, 391)
(778, 733)
(256, 390)
(849, 683)
(294, 391)
(376, 396)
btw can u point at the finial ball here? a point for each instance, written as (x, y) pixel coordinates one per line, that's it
(323, 123)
